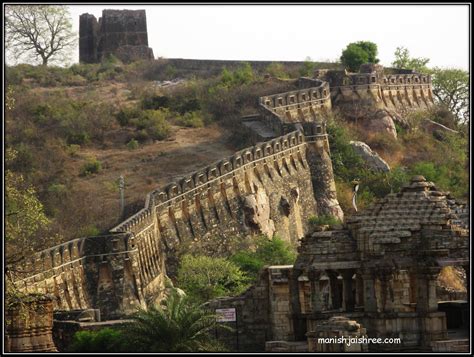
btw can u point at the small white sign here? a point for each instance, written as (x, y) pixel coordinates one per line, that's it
(226, 315)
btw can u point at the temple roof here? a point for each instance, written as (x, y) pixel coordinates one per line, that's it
(418, 204)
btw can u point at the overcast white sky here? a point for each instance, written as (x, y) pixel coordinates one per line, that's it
(294, 32)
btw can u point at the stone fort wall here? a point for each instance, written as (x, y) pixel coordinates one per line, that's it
(262, 189)
(396, 92)
(122, 33)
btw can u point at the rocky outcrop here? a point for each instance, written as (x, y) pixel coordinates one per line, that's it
(372, 159)
(380, 122)
(256, 209)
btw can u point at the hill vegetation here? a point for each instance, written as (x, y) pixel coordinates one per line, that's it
(75, 130)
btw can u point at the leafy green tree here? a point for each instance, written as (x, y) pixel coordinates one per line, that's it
(357, 53)
(403, 60)
(451, 89)
(24, 215)
(178, 325)
(39, 32)
(205, 278)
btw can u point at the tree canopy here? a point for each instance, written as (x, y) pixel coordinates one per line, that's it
(38, 33)
(357, 53)
(451, 89)
(403, 60)
(450, 85)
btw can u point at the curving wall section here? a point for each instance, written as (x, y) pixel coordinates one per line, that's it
(304, 105)
(262, 189)
(397, 92)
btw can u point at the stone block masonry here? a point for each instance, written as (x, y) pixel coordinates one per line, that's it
(122, 33)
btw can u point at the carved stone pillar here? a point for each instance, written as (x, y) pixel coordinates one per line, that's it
(316, 302)
(348, 296)
(298, 322)
(387, 292)
(370, 299)
(426, 289)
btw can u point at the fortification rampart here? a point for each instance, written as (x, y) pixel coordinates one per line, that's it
(283, 110)
(263, 189)
(397, 92)
(100, 272)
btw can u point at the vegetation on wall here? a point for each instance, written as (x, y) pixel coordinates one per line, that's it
(357, 53)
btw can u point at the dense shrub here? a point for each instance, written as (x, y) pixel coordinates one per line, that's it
(192, 120)
(132, 144)
(124, 115)
(105, 340)
(242, 75)
(267, 252)
(277, 70)
(204, 278)
(92, 166)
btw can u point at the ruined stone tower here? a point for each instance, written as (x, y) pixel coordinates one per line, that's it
(122, 33)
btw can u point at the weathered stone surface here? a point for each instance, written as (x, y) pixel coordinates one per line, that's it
(369, 156)
(122, 33)
(29, 326)
(256, 210)
(380, 122)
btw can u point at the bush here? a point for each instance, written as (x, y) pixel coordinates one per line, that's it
(92, 166)
(157, 126)
(204, 278)
(105, 340)
(346, 162)
(126, 114)
(242, 75)
(191, 120)
(277, 70)
(89, 231)
(315, 221)
(132, 144)
(267, 252)
(155, 102)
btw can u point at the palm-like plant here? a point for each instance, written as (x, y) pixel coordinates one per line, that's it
(178, 325)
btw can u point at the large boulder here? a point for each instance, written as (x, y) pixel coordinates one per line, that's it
(373, 160)
(380, 122)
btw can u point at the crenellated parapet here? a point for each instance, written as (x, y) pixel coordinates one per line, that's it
(299, 106)
(211, 202)
(399, 92)
(92, 272)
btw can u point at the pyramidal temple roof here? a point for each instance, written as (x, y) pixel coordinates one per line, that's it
(418, 203)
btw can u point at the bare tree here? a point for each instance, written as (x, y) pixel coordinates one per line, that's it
(38, 32)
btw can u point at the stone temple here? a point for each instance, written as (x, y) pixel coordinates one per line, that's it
(122, 33)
